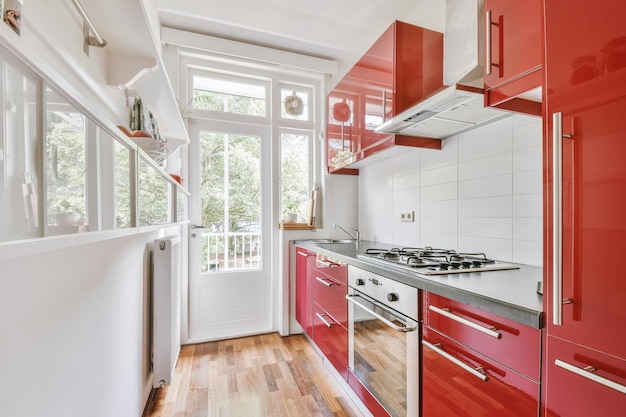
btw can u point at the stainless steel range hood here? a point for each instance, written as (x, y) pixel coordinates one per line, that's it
(459, 104)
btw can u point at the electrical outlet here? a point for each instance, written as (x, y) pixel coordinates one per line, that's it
(407, 216)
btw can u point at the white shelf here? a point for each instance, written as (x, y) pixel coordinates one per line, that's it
(134, 60)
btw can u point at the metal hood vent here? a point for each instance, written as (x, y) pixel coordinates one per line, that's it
(459, 104)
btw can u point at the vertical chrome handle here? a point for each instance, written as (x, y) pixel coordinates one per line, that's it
(488, 42)
(557, 210)
(588, 373)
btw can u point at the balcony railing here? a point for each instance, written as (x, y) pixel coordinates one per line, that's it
(231, 251)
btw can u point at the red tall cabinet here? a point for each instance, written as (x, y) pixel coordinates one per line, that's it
(585, 148)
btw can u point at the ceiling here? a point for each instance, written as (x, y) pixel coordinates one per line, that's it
(341, 30)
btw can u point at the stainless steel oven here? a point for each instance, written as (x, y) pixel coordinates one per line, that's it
(383, 341)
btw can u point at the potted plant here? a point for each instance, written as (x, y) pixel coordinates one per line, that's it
(290, 215)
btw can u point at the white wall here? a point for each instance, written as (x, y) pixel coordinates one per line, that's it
(75, 328)
(481, 192)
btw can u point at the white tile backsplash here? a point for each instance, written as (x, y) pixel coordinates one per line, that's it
(482, 192)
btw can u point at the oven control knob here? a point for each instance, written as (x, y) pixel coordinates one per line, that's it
(360, 282)
(392, 296)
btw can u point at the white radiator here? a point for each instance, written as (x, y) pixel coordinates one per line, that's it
(166, 308)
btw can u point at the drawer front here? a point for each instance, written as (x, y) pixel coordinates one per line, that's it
(330, 295)
(514, 344)
(332, 339)
(333, 270)
(452, 386)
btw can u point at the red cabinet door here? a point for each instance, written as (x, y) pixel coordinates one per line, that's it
(513, 344)
(332, 339)
(458, 381)
(305, 261)
(574, 389)
(586, 86)
(513, 60)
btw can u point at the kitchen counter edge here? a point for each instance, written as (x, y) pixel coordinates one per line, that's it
(510, 293)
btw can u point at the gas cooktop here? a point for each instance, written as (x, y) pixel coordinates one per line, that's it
(433, 261)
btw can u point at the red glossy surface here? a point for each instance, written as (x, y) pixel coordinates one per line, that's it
(331, 298)
(519, 346)
(335, 271)
(449, 390)
(332, 341)
(305, 261)
(586, 81)
(402, 67)
(368, 399)
(516, 52)
(570, 395)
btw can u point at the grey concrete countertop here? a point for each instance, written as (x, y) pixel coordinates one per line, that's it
(508, 293)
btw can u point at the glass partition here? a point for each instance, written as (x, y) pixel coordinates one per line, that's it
(20, 161)
(122, 189)
(66, 173)
(154, 195)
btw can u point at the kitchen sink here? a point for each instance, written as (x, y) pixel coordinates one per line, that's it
(325, 241)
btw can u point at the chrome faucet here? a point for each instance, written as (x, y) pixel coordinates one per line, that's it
(356, 236)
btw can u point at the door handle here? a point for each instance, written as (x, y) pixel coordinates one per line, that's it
(557, 221)
(197, 226)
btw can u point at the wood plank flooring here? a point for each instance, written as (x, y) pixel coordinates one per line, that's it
(257, 376)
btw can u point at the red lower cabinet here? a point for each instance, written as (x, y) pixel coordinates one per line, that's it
(458, 381)
(331, 338)
(582, 382)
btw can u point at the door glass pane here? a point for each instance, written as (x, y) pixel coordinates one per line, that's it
(231, 201)
(295, 177)
(19, 158)
(67, 167)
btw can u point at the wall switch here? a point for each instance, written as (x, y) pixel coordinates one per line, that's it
(407, 216)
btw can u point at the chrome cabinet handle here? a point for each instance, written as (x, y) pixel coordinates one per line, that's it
(557, 226)
(437, 349)
(488, 42)
(352, 298)
(486, 330)
(588, 373)
(327, 264)
(325, 282)
(321, 317)
(306, 255)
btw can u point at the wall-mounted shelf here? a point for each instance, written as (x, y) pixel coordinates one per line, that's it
(133, 60)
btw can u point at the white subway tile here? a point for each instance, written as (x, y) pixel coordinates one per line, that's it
(525, 159)
(489, 129)
(486, 207)
(528, 182)
(445, 208)
(486, 167)
(500, 249)
(440, 175)
(439, 192)
(495, 228)
(528, 135)
(528, 205)
(485, 145)
(528, 252)
(528, 228)
(433, 225)
(501, 185)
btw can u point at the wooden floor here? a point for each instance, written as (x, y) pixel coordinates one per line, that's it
(258, 376)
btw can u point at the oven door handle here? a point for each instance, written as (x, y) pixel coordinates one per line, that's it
(352, 298)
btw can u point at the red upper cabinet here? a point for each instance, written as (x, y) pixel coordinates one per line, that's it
(585, 98)
(402, 67)
(513, 55)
